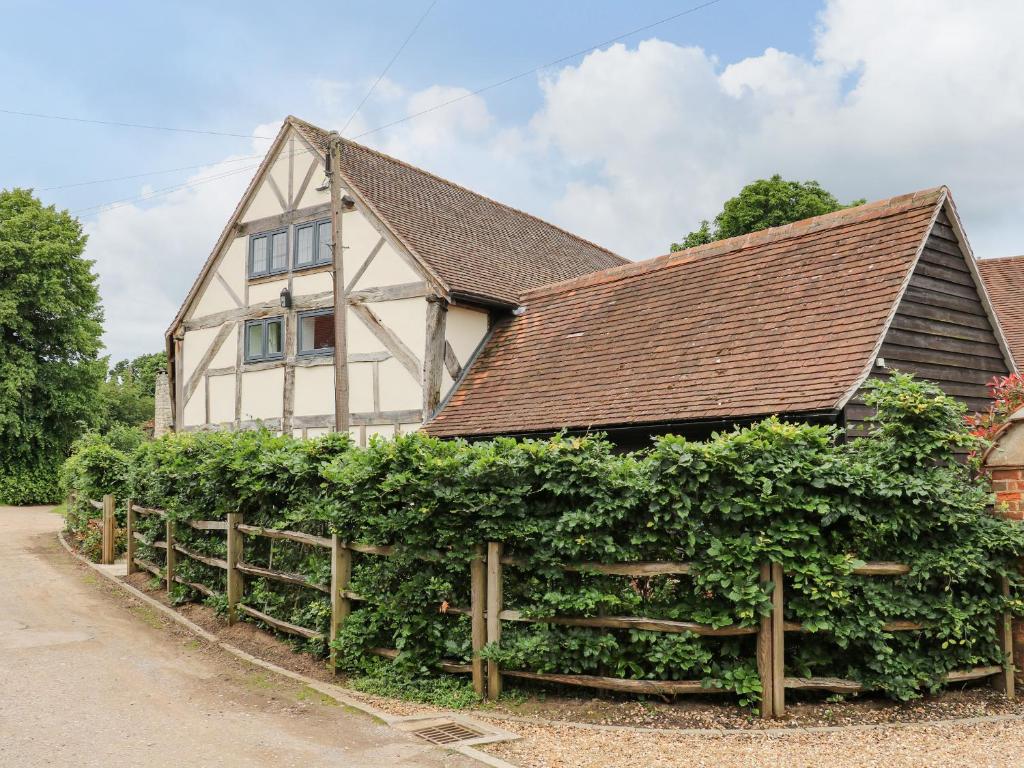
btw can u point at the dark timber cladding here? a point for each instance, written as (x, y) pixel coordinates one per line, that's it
(941, 331)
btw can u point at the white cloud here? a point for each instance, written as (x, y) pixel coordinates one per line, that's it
(148, 253)
(635, 144)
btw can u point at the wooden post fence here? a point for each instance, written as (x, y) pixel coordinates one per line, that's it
(765, 660)
(778, 644)
(1005, 682)
(172, 554)
(131, 543)
(487, 611)
(109, 529)
(494, 602)
(478, 609)
(234, 578)
(341, 605)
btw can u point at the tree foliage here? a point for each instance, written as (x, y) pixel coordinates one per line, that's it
(50, 326)
(762, 204)
(775, 491)
(127, 393)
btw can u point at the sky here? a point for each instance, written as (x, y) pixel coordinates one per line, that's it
(629, 144)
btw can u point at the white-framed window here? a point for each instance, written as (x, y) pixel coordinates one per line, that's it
(268, 253)
(264, 339)
(312, 244)
(316, 332)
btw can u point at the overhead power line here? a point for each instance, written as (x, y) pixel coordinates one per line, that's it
(147, 173)
(71, 119)
(542, 67)
(412, 116)
(384, 72)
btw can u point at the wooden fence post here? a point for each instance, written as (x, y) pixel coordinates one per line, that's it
(130, 543)
(1005, 682)
(341, 606)
(494, 601)
(765, 659)
(778, 644)
(109, 529)
(172, 556)
(234, 578)
(478, 614)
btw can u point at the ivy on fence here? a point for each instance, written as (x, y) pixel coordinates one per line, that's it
(793, 494)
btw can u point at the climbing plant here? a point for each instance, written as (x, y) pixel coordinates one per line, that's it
(794, 494)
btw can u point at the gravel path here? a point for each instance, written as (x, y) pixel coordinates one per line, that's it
(89, 678)
(988, 745)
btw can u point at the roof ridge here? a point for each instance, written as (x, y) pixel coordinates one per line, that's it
(878, 209)
(988, 259)
(472, 192)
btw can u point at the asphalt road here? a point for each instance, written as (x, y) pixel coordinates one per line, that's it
(90, 678)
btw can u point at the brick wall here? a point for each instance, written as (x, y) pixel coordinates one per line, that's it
(1005, 463)
(1008, 485)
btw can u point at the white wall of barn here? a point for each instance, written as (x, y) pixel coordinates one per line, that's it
(220, 390)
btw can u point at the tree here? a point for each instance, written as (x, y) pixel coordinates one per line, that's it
(127, 395)
(50, 326)
(762, 204)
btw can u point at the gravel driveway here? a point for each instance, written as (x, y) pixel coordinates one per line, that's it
(992, 745)
(88, 678)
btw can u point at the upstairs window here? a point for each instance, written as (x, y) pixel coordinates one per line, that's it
(316, 332)
(268, 253)
(313, 243)
(264, 339)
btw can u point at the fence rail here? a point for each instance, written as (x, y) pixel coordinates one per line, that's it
(488, 612)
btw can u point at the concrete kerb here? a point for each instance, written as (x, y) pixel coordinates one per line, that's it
(333, 691)
(341, 695)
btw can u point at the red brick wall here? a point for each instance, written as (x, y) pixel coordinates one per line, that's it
(1008, 485)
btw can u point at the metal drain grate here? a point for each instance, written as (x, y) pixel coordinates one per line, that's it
(447, 733)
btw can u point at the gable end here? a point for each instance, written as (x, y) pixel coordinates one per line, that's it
(941, 330)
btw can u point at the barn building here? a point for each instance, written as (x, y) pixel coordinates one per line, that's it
(471, 319)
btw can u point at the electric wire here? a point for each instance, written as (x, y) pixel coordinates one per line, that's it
(483, 89)
(384, 72)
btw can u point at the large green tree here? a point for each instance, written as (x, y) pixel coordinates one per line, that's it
(762, 204)
(50, 326)
(127, 395)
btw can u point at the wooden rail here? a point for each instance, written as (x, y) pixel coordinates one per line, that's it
(270, 533)
(282, 626)
(288, 578)
(487, 612)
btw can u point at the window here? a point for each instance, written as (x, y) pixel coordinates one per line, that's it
(268, 253)
(316, 332)
(264, 339)
(313, 243)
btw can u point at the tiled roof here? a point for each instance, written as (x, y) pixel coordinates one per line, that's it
(475, 245)
(783, 320)
(1004, 282)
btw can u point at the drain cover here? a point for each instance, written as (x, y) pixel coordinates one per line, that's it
(446, 732)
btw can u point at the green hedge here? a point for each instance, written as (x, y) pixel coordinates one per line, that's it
(791, 493)
(98, 464)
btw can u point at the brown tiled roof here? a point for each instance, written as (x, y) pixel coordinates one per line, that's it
(1004, 282)
(475, 245)
(783, 320)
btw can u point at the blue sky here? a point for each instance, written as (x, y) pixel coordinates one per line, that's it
(630, 145)
(229, 66)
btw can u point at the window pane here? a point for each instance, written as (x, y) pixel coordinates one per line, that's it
(259, 255)
(316, 333)
(324, 241)
(274, 345)
(254, 341)
(279, 259)
(304, 245)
